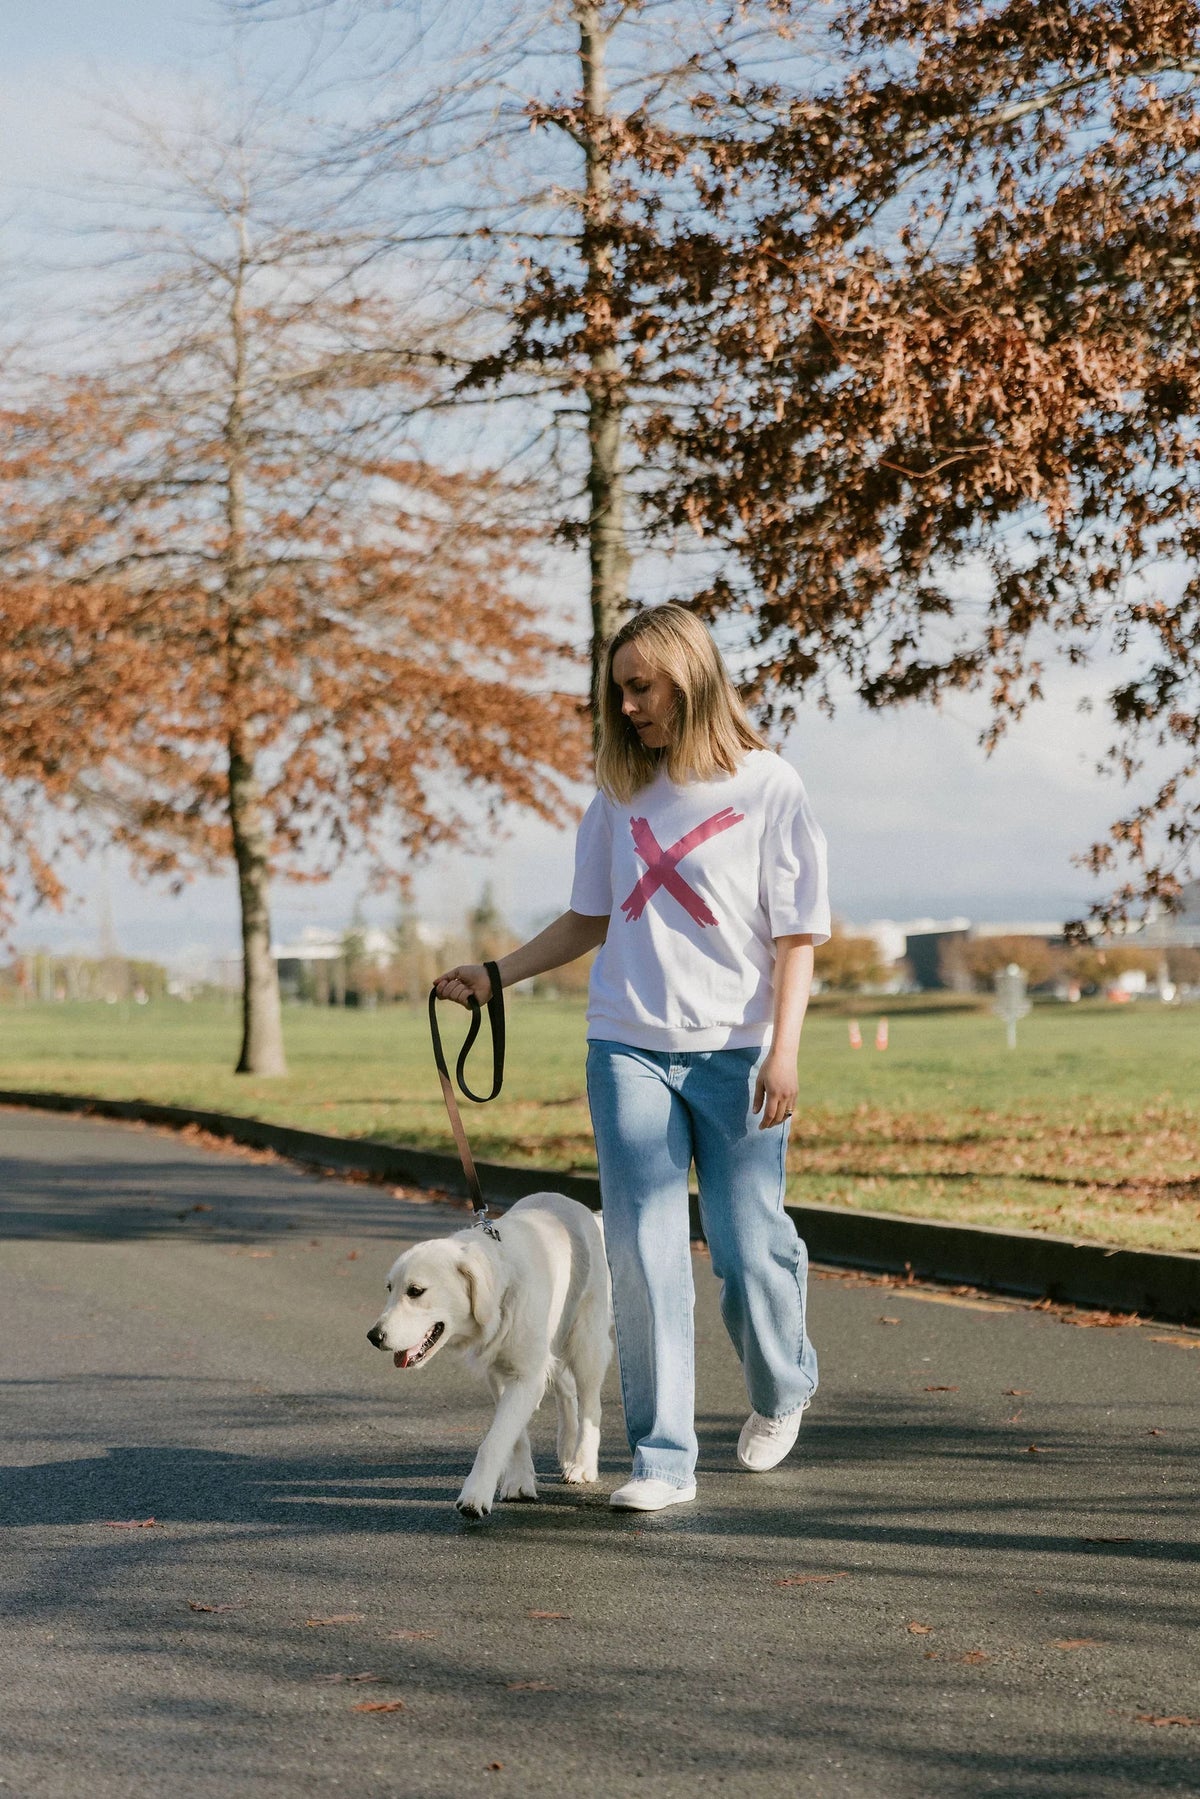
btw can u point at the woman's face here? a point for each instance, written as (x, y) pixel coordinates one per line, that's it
(647, 696)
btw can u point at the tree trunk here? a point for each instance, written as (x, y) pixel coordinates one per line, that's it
(608, 544)
(262, 1016)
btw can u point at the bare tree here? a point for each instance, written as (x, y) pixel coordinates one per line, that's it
(523, 152)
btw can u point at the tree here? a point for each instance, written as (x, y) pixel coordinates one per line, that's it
(1183, 965)
(526, 150)
(277, 630)
(487, 933)
(984, 957)
(937, 378)
(1098, 967)
(847, 963)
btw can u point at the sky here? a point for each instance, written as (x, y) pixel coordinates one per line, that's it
(920, 822)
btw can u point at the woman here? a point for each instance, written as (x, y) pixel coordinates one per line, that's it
(701, 871)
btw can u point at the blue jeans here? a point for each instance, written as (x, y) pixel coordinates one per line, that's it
(653, 1113)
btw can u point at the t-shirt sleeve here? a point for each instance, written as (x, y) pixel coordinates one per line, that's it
(591, 890)
(795, 877)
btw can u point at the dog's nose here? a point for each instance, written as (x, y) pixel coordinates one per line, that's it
(375, 1336)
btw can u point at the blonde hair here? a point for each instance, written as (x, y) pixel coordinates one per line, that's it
(710, 730)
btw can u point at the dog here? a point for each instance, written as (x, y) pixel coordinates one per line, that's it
(529, 1310)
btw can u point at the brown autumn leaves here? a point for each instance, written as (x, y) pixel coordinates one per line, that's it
(913, 350)
(905, 335)
(245, 616)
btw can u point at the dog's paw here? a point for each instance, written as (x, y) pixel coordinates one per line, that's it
(473, 1507)
(518, 1487)
(580, 1474)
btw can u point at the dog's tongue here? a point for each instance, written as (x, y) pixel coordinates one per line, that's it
(403, 1357)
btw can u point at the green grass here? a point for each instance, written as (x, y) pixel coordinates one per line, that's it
(1091, 1127)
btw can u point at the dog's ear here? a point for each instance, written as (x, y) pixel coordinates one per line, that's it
(479, 1275)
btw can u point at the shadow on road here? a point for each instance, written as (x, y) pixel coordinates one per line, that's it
(402, 1500)
(221, 1202)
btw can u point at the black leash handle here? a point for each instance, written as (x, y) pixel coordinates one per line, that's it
(495, 1009)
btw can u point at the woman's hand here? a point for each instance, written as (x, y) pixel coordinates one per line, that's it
(776, 1089)
(470, 980)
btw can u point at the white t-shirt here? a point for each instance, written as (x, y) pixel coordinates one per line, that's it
(697, 881)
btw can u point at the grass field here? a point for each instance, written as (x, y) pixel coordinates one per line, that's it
(1091, 1127)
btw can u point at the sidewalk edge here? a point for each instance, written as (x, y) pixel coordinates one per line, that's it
(1153, 1283)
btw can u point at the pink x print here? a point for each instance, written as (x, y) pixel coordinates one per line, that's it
(662, 866)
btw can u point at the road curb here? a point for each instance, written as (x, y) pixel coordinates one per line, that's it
(1153, 1283)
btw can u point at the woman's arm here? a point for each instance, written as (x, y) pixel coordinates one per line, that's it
(569, 937)
(777, 1086)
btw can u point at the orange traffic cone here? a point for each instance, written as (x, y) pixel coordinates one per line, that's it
(881, 1034)
(855, 1035)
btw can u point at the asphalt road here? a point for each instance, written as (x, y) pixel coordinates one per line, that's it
(917, 1603)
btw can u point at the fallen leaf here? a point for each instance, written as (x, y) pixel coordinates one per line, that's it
(1179, 1342)
(353, 1256)
(1149, 1718)
(1017, 1392)
(1103, 1320)
(1034, 1450)
(1106, 1539)
(1075, 1642)
(530, 1686)
(130, 1523)
(234, 1605)
(941, 1389)
(337, 1680)
(919, 1630)
(411, 1636)
(803, 1580)
(546, 1616)
(1152, 1432)
(883, 1320)
(494, 1767)
(973, 1657)
(954, 1299)
(1016, 1417)
(336, 1618)
(933, 1655)
(378, 1705)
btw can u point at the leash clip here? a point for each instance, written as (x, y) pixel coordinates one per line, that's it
(483, 1222)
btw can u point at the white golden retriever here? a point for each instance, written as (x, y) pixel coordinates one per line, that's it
(529, 1310)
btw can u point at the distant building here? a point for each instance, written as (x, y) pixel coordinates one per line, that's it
(316, 964)
(1047, 932)
(1174, 930)
(931, 951)
(928, 949)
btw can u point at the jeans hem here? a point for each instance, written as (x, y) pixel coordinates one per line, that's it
(795, 1411)
(668, 1480)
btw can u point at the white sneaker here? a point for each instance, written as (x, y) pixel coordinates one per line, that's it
(650, 1495)
(765, 1441)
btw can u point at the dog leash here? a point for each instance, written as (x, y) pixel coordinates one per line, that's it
(495, 1010)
